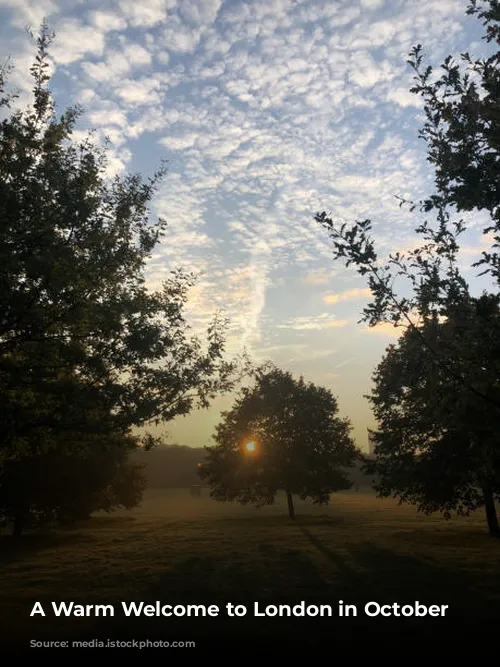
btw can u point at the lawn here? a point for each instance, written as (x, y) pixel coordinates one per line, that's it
(182, 550)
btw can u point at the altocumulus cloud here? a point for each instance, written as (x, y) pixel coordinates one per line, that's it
(267, 112)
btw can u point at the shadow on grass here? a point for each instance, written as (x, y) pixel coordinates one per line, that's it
(15, 550)
(286, 577)
(277, 577)
(102, 522)
(274, 571)
(372, 573)
(280, 521)
(477, 535)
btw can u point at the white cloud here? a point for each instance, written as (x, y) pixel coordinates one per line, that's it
(137, 54)
(108, 117)
(181, 38)
(345, 14)
(30, 12)
(86, 95)
(74, 40)
(107, 21)
(318, 322)
(115, 66)
(372, 4)
(404, 98)
(179, 143)
(366, 73)
(267, 111)
(197, 12)
(139, 91)
(145, 14)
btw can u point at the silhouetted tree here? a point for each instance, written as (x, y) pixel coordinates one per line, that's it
(281, 434)
(78, 325)
(461, 129)
(68, 482)
(436, 445)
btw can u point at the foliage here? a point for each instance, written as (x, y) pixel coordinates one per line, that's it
(73, 299)
(462, 126)
(461, 107)
(87, 351)
(461, 130)
(300, 444)
(436, 444)
(67, 484)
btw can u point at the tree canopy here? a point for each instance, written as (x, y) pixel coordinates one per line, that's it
(462, 124)
(281, 434)
(436, 445)
(461, 106)
(87, 350)
(68, 483)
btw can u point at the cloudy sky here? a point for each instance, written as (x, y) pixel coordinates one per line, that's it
(267, 111)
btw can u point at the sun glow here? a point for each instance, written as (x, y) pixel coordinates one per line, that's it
(250, 447)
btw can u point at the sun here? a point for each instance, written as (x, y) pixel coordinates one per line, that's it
(250, 446)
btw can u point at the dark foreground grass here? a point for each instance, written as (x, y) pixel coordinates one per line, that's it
(183, 550)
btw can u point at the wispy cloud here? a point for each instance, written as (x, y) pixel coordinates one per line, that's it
(319, 277)
(318, 322)
(349, 295)
(385, 329)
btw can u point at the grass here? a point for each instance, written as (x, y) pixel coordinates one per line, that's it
(181, 550)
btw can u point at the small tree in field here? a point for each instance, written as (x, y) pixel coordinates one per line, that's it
(435, 441)
(281, 434)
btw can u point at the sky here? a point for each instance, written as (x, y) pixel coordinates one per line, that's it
(267, 112)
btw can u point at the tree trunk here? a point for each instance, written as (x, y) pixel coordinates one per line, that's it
(18, 525)
(491, 512)
(291, 509)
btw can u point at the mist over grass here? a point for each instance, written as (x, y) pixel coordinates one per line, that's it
(184, 550)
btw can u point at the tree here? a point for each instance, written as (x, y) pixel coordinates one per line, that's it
(64, 484)
(461, 129)
(281, 434)
(436, 446)
(78, 326)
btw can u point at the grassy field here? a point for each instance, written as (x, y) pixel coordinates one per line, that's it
(182, 550)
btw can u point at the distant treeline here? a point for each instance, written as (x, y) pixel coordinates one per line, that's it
(175, 466)
(171, 466)
(360, 478)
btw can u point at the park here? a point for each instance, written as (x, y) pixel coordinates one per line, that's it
(183, 550)
(186, 388)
